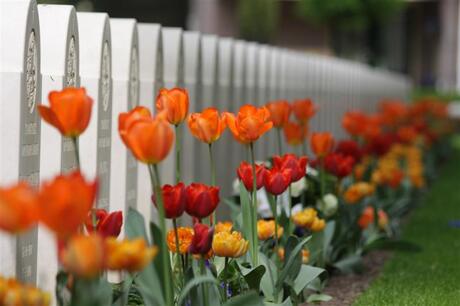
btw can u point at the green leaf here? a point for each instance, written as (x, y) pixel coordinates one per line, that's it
(94, 292)
(159, 261)
(306, 275)
(149, 286)
(253, 276)
(250, 298)
(198, 280)
(314, 298)
(62, 293)
(246, 213)
(290, 259)
(267, 282)
(287, 302)
(135, 225)
(352, 263)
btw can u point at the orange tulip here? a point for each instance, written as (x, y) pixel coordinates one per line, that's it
(125, 120)
(303, 110)
(149, 139)
(65, 203)
(279, 112)
(207, 126)
(84, 255)
(295, 133)
(353, 122)
(185, 235)
(129, 255)
(322, 143)
(175, 102)
(18, 208)
(69, 111)
(249, 124)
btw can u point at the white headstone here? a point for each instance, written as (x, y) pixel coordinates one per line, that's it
(59, 67)
(210, 97)
(173, 63)
(238, 96)
(262, 88)
(125, 75)
(151, 79)
(20, 83)
(96, 77)
(226, 146)
(192, 80)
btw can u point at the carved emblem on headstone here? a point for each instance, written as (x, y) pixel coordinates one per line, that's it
(133, 95)
(31, 72)
(71, 76)
(105, 76)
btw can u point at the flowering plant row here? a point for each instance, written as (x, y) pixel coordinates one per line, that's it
(294, 218)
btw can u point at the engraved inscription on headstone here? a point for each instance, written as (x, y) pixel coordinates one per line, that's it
(29, 161)
(104, 127)
(133, 101)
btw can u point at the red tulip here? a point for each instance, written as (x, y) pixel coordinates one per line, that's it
(338, 164)
(202, 239)
(297, 165)
(380, 144)
(244, 172)
(107, 224)
(351, 148)
(277, 180)
(201, 200)
(173, 200)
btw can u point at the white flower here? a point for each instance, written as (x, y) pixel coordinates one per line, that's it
(328, 205)
(298, 187)
(312, 171)
(236, 187)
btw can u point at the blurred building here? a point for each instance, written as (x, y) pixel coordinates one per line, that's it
(422, 40)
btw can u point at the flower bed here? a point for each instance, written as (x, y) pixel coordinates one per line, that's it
(294, 220)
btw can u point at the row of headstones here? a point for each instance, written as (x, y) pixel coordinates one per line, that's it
(122, 64)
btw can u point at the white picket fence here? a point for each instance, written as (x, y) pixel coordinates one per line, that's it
(122, 64)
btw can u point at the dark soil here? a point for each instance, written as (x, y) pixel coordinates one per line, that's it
(345, 288)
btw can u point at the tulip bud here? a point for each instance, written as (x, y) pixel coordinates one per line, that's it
(201, 200)
(245, 172)
(173, 200)
(202, 239)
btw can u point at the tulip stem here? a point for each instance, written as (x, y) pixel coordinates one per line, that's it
(176, 238)
(77, 153)
(278, 138)
(155, 177)
(225, 278)
(322, 176)
(178, 148)
(255, 255)
(213, 179)
(204, 286)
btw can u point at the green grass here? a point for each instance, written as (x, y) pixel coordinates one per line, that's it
(431, 277)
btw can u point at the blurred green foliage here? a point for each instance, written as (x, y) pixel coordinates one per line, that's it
(258, 19)
(431, 93)
(348, 14)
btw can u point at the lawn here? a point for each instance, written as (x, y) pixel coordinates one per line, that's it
(431, 277)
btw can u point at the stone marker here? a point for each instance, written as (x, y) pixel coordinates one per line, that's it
(20, 83)
(125, 75)
(60, 69)
(193, 84)
(173, 74)
(239, 91)
(226, 145)
(96, 77)
(151, 79)
(210, 98)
